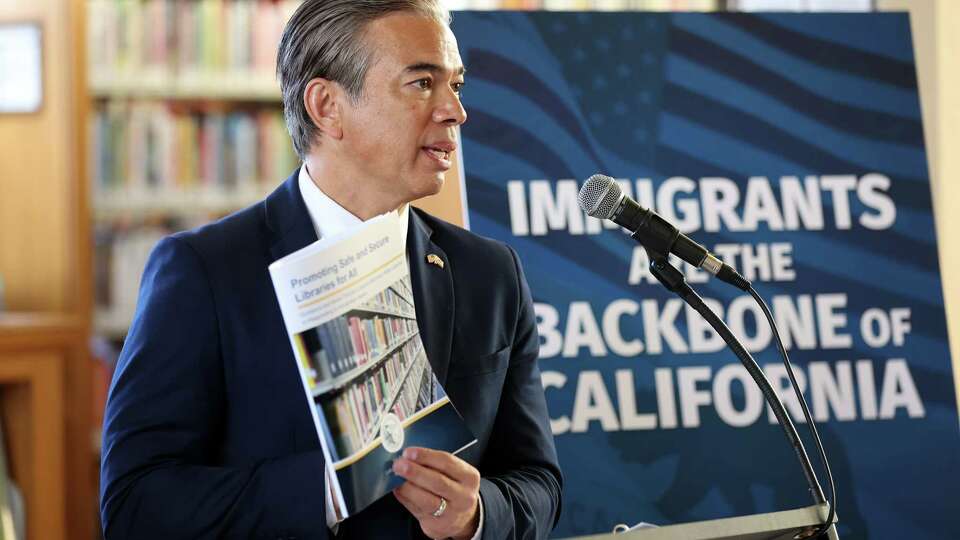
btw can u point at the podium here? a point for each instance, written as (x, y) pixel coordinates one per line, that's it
(785, 525)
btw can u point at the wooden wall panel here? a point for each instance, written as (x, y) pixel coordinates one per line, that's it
(37, 169)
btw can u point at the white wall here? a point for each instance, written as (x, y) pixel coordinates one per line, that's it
(936, 41)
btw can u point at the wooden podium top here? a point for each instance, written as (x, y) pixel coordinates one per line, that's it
(784, 525)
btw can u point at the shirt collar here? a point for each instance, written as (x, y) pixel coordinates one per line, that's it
(329, 218)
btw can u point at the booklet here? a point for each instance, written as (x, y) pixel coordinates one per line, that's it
(348, 307)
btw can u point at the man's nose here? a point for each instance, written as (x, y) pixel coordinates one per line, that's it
(450, 111)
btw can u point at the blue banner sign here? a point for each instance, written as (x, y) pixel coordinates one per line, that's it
(792, 146)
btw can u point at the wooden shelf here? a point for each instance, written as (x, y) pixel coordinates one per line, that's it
(187, 202)
(380, 309)
(161, 85)
(25, 330)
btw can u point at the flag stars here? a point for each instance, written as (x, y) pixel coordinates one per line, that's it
(615, 95)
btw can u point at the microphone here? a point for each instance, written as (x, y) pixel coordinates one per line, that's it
(601, 197)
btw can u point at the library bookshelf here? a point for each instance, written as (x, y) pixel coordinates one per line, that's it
(185, 126)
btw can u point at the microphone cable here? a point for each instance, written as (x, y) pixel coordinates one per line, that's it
(731, 276)
(806, 410)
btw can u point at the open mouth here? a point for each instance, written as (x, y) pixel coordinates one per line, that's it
(438, 153)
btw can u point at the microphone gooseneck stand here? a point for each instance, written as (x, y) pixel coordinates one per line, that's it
(673, 280)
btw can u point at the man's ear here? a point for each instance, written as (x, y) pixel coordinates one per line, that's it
(323, 99)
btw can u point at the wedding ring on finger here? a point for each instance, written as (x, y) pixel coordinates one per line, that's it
(440, 509)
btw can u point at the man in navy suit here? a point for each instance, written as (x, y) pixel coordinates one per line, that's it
(207, 432)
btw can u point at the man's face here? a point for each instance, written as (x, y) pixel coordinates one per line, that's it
(399, 138)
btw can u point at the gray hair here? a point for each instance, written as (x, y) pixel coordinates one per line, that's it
(324, 38)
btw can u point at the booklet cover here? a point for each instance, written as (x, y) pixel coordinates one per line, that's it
(348, 308)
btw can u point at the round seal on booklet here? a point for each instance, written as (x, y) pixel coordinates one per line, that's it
(391, 433)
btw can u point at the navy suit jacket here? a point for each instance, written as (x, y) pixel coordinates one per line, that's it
(207, 433)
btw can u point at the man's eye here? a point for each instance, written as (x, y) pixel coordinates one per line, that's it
(457, 87)
(423, 84)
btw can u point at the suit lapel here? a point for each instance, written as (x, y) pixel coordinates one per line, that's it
(288, 219)
(432, 293)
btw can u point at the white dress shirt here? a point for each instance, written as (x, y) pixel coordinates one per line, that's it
(330, 219)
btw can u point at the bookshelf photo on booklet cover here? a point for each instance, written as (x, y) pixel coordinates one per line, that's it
(348, 307)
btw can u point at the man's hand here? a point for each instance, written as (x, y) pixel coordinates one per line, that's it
(431, 475)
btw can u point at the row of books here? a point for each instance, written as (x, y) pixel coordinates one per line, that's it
(120, 254)
(158, 146)
(358, 406)
(392, 302)
(192, 46)
(159, 39)
(418, 391)
(404, 289)
(184, 36)
(352, 341)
